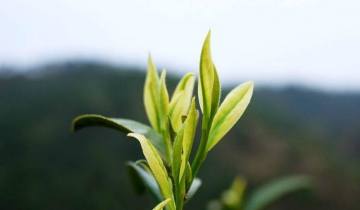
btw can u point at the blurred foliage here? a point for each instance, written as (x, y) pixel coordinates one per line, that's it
(234, 198)
(285, 131)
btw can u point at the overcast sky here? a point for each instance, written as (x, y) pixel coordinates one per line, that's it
(308, 42)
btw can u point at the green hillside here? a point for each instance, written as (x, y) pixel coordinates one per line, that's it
(285, 131)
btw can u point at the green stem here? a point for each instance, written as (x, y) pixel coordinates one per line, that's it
(201, 153)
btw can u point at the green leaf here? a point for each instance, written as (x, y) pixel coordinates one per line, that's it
(229, 112)
(161, 205)
(185, 84)
(216, 93)
(157, 167)
(209, 89)
(196, 184)
(164, 101)
(177, 152)
(233, 197)
(188, 136)
(142, 179)
(188, 176)
(123, 125)
(180, 100)
(151, 95)
(184, 142)
(269, 193)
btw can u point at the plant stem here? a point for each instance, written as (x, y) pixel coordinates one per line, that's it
(201, 153)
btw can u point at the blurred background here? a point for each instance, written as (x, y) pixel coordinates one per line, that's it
(62, 58)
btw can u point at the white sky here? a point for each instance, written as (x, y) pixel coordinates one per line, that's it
(309, 42)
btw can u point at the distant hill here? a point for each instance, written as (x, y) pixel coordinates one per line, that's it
(285, 131)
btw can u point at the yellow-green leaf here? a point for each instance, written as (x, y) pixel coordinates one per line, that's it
(229, 112)
(151, 95)
(161, 205)
(209, 86)
(177, 152)
(181, 99)
(163, 101)
(157, 166)
(188, 136)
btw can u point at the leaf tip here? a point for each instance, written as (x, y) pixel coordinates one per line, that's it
(249, 85)
(150, 58)
(208, 35)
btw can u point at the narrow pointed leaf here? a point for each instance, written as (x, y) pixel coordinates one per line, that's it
(209, 85)
(163, 101)
(151, 95)
(123, 125)
(216, 93)
(188, 136)
(157, 167)
(269, 193)
(142, 179)
(229, 112)
(188, 176)
(161, 205)
(177, 152)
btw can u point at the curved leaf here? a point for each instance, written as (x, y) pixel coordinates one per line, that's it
(275, 190)
(161, 205)
(151, 95)
(142, 179)
(185, 84)
(157, 167)
(123, 125)
(229, 112)
(181, 100)
(209, 85)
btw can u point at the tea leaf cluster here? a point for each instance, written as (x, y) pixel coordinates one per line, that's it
(168, 172)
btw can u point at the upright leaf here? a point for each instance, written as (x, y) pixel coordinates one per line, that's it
(161, 205)
(181, 99)
(123, 125)
(229, 112)
(209, 86)
(273, 191)
(177, 152)
(151, 95)
(185, 84)
(157, 167)
(163, 101)
(188, 136)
